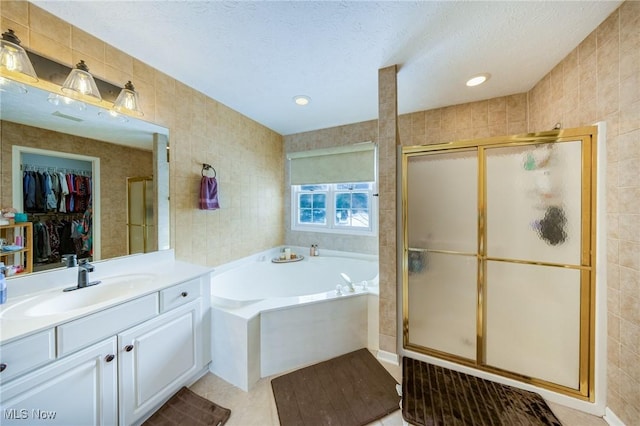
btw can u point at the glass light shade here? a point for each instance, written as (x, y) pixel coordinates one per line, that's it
(14, 62)
(60, 100)
(10, 86)
(127, 101)
(113, 115)
(80, 83)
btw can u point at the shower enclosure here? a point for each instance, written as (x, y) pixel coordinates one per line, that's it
(499, 256)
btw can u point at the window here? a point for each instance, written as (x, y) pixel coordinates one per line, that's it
(340, 208)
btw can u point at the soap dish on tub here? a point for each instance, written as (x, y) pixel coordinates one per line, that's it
(298, 258)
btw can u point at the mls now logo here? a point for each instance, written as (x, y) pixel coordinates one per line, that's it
(23, 414)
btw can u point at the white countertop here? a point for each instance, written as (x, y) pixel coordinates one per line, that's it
(162, 266)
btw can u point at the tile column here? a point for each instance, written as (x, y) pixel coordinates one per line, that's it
(387, 144)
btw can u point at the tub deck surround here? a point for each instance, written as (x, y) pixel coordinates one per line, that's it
(268, 318)
(150, 273)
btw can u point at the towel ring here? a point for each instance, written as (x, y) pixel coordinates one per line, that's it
(206, 166)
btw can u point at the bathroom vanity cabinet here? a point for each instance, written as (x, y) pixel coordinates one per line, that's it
(115, 366)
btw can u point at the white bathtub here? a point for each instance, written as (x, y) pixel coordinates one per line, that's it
(262, 279)
(272, 317)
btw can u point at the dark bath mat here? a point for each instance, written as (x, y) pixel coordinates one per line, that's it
(433, 395)
(189, 409)
(350, 390)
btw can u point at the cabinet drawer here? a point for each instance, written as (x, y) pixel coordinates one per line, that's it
(180, 294)
(27, 353)
(93, 328)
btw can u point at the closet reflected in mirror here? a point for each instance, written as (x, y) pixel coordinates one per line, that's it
(67, 166)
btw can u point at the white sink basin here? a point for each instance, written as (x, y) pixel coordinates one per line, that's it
(52, 303)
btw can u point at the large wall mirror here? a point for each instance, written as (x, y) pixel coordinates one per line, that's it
(42, 133)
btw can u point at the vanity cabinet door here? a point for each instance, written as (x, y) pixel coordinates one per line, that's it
(156, 358)
(76, 390)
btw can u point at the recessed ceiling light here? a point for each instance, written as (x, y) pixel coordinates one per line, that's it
(301, 100)
(478, 79)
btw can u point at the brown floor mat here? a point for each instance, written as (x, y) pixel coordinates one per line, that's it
(433, 395)
(188, 408)
(350, 390)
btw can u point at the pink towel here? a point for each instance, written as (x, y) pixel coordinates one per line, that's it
(208, 193)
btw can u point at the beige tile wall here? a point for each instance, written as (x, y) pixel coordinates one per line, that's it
(117, 163)
(505, 115)
(600, 81)
(247, 156)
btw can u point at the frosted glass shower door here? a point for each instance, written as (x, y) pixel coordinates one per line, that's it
(140, 228)
(533, 260)
(442, 235)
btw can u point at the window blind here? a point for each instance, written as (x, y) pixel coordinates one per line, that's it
(352, 163)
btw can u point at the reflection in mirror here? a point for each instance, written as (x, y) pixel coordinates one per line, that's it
(46, 139)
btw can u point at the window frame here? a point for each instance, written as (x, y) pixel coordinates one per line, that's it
(331, 225)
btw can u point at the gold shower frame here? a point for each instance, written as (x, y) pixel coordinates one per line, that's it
(588, 138)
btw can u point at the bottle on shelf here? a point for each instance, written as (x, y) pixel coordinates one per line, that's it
(3, 284)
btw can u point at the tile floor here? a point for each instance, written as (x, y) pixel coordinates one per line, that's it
(258, 407)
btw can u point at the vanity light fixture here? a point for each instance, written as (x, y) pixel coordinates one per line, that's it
(127, 101)
(301, 100)
(478, 79)
(14, 62)
(81, 83)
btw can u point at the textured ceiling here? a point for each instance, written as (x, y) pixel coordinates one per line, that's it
(256, 56)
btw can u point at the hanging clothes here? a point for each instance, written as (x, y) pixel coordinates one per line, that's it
(39, 204)
(64, 191)
(49, 191)
(41, 245)
(29, 191)
(85, 229)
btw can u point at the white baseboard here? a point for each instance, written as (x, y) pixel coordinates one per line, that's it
(389, 357)
(611, 418)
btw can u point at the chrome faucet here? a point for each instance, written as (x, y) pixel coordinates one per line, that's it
(70, 260)
(84, 267)
(347, 279)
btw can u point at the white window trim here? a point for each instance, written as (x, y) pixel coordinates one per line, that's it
(331, 227)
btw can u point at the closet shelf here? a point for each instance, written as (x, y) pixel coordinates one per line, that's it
(23, 256)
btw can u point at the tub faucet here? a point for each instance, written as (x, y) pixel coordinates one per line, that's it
(347, 279)
(84, 267)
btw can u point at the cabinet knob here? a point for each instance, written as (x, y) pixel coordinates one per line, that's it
(128, 348)
(109, 357)
(184, 294)
(3, 367)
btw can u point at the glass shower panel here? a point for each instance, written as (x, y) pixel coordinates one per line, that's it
(136, 202)
(442, 197)
(442, 302)
(138, 211)
(532, 321)
(151, 236)
(136, 239)
(442, 230)
(534, 202)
